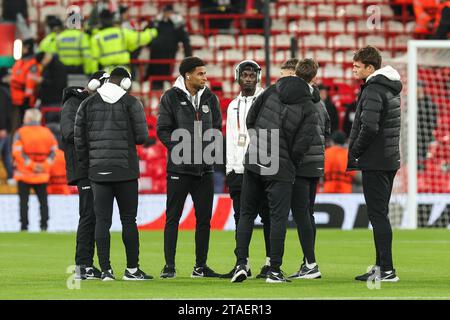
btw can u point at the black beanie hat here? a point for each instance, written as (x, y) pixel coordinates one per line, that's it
(190, 63)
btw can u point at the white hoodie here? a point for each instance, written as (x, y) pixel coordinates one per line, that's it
(235, 153)
(179, 83)
(386, 71)
(111, 92)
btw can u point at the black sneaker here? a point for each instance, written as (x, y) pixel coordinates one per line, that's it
(230, 274)
(168, 272)
(240, 274)
(139, 275)
(264, 271)
(108, 275)
(307, 273)
(276, 276)
(389, 276)
(204, 272)
(91, 273)
(366, 276)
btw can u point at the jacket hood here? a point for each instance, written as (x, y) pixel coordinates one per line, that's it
(179, 83)
(388, 77)
(292, 89)
(110, 92)
(316, 94)
(78, 92)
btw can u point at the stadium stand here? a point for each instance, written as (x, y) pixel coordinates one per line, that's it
(328, 31)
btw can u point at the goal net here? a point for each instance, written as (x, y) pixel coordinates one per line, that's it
(421, 195)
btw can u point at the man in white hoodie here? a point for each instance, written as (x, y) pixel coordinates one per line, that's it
(248, 76)
(191, 109)
(108, 126)
(374, 149)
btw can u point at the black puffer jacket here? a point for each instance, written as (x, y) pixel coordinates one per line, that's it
(286, 106)
(106, 135)
(177, 112)
(375, 135)
(313, 161)
(72, 98)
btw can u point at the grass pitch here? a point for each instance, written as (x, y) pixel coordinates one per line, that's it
(33, 266)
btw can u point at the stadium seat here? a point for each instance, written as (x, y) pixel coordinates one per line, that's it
(315, 40)
(223, 41)
(306, 26)
(251, 41)
(198, 41)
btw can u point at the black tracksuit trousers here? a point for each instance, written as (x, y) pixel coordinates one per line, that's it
(377, 188)
(24, 194)
(234, 182)
(84, 254)
(255, 188)
(201, 189)
(126, 195)
(302, 205)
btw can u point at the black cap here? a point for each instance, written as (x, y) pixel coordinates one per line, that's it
(189, 64)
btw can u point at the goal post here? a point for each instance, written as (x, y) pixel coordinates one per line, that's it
(425, 133)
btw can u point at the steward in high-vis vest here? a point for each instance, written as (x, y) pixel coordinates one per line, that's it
(25, 78)
(34, 149)
(111, 46)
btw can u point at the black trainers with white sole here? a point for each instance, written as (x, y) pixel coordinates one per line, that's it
(139, 275)
(168, 272)
(240, 273)
(204, 272)
(368, 274)
(276, 276)
(306, 273)
(264, 272)
(389, 276)
(230, 274)
(108, 275)
(91, 273)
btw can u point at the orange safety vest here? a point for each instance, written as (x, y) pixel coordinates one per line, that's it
(425, 12)
(336, 179)
(58, 179)
(33, 145)
(24, 81)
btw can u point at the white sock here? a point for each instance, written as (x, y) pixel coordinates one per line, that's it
(267, 261)
(388, 272)
(310, 266)
(132, 270)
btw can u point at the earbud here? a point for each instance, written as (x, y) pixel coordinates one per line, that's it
(188, 77)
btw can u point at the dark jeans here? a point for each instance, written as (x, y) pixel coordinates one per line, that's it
(126, 195)
(86, 225)
(234, 182)
(302, 204)
(202, 192)
(377, 187)
(24, 194)
(255, 188)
